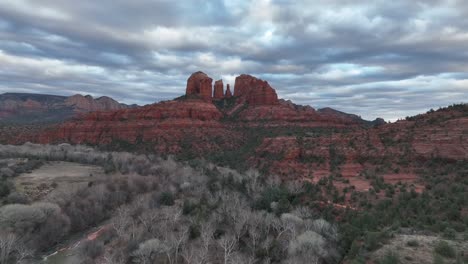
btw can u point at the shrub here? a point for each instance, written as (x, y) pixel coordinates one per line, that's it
(413, 243)
(92, 248)
(444, 249)
(390, 258)
(271, 195)
(373, 240)
(354, 249)
(308, 244)
(41, 224)
(450, 233)
(358, 260)
(438, 259)
(17, 198)
(166, 198)
(148, 251)
(21, 219)
(5, 188)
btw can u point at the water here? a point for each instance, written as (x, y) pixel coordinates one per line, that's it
(70, 254)
(63, 257)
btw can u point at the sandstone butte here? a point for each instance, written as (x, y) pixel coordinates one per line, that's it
(205, 124)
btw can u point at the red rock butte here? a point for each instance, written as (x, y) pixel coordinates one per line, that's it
(200, 84)
(247, 88)
(255, 91)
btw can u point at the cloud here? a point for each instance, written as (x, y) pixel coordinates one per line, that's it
(379, 58)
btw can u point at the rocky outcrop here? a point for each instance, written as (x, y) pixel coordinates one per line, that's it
(228, 92)
(254, 91)
(247, 89)
(218, 90)
(200, 84)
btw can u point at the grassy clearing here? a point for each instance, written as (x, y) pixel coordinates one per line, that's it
(53, 175)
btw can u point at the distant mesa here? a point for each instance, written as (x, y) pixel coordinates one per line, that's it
(247, 88)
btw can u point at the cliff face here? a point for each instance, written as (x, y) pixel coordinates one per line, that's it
(166, 127)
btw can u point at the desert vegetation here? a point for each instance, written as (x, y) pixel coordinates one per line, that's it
(160, 211)
(150, 209)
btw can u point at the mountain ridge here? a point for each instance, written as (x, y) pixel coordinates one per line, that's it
(30, 108)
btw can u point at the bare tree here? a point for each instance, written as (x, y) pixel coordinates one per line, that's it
(22, 252)
(121, 221)
(7, 246)
(239, 258)
(194, 254)
(149, 250)
(228, 244)
(295, 187)
(148, 220)
(207, 237)
(110, 258)
(175, 240)
(256, 229)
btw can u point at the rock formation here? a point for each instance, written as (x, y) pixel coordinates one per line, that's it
(254, 91)
(292, 141)
(228, 92)
(200, 84)
(218, 90)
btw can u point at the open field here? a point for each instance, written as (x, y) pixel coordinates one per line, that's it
(43, 180)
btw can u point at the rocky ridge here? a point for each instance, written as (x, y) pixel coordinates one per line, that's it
(35, 108)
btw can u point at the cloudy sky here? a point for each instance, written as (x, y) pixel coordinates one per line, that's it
(380, 59)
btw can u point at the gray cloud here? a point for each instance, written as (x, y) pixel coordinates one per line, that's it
(385, 58)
